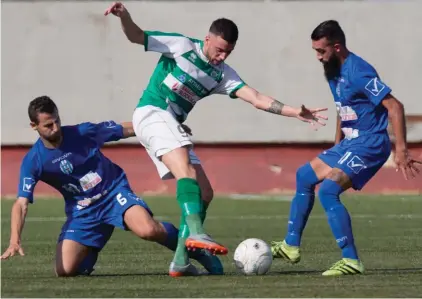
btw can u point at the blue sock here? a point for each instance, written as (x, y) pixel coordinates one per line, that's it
(87, 265)
(172, 236)
(338, 218)
(302, 204)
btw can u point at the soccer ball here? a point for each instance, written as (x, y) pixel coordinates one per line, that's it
(253, 257)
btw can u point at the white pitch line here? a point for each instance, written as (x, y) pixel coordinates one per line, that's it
(244, 217)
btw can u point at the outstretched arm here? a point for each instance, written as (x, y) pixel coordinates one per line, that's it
(19, 211)
(131, 30)
(271, 105)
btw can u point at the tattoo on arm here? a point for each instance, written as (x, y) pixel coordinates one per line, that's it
(275, 107)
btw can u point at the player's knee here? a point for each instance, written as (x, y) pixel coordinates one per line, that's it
(189, 172)
(306, 177)
(152, 231)
(65, 271)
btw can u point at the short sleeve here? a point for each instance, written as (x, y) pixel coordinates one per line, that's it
(28, 177)
(169, 44)
(102, 132)
(369, 83)
(230, 83)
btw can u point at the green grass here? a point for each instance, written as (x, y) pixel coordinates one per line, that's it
(388, 233)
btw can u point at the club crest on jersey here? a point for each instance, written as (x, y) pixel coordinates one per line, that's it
(192, 57)
(66, 167)
(214, 74)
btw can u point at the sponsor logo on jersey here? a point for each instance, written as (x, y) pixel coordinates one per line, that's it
(346, 113)
(28, 183)
(350, 133)
(110, 124)
(61, 158)
(81, 204)
(356, 164)
(66, 167)
(71, 188)
(184, 92)
(90, 180)
(182, 78)
(375, 86)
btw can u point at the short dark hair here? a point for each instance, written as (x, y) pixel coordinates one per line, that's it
(42, 104)
(331, 30)
(226, 29)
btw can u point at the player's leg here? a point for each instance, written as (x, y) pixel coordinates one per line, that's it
(207, 192)
(210, 262)
(354, 169)
(69, 255)
(307, 177)
(168, 145)
(190, 199)
(340, 222)
(78, 247)
(127, 211)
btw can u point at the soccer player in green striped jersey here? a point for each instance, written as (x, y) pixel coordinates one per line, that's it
(188, 71)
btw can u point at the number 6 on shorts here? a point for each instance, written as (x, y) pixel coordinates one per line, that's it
(122, 200)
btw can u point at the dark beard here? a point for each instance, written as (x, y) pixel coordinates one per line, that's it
(54, 139)
(332, 68)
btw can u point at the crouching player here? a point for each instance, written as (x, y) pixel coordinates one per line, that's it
(97, 194)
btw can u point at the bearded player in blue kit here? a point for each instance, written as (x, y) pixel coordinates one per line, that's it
(364, 104)
(96, 191)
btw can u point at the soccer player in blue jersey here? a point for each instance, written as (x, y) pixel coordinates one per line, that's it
(364, 103)
(97, 194)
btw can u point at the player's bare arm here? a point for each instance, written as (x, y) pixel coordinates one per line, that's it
(403, 160)
(132, 31)
(128, 129)
(339, 133)
(271, 105)
(19, 211)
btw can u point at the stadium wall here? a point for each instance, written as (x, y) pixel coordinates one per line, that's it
(70, 51)
(247, 169)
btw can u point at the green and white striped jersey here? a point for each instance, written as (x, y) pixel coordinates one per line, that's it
(183, 75)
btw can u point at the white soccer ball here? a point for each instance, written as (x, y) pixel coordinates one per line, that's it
(253, 257)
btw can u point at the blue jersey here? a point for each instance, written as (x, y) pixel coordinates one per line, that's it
(358, 94)
(77, 168)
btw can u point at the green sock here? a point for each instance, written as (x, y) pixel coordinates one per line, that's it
(189, 199)
(181, 254)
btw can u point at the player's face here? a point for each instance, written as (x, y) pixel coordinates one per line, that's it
(49, 126)
(324, 50)
(217, 49)
(327, 53)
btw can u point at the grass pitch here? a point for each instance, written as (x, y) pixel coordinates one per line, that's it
(388, 232)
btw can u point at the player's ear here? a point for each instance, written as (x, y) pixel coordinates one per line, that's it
(207, 38)
(337, 47)
(33, 125)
